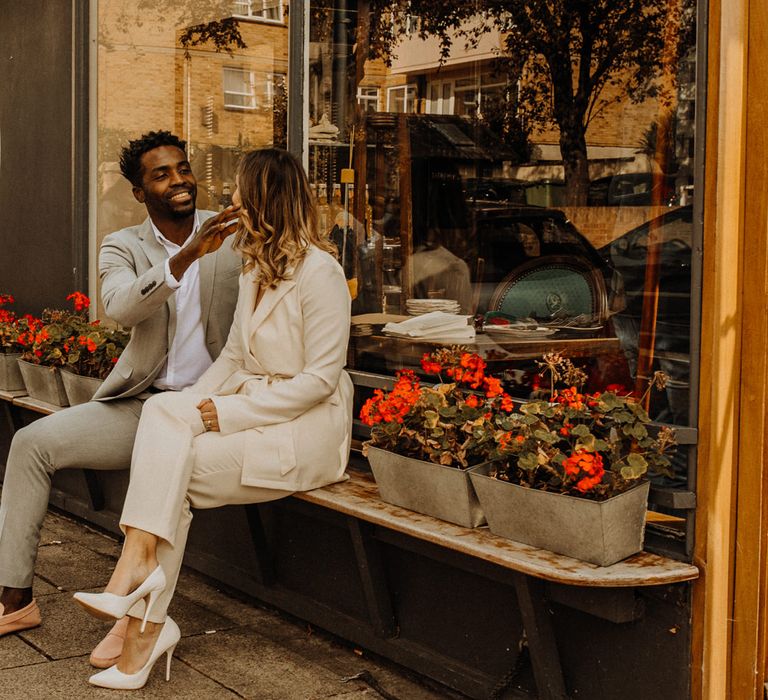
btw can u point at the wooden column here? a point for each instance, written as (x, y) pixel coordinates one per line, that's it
(748, 654)
(728, 659)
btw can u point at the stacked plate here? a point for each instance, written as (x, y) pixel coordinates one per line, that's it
(417, 307)
(361, 329)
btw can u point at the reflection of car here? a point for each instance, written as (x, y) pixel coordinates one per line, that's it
(505, 240)
(494, 190)
(632, 189)
(628, 255)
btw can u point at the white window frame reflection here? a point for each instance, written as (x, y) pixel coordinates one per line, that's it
(403, 96)
(440, 97)
(259, 10)
(243, 100)
(368, 98)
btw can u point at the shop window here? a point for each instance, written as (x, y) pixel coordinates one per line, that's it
(239, 89)
(470, 180)
(259, 10)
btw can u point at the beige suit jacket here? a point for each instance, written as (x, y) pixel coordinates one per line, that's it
(134, 292)
(280, 378)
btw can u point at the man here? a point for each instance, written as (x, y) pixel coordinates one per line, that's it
(174, 284)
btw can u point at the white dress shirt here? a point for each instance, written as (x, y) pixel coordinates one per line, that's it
(188, 356)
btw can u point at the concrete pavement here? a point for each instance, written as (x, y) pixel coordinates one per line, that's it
(230, 648)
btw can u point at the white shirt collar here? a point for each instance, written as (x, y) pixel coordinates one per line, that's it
(162, 240)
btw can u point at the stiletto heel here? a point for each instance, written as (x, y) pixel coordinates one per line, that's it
(109, 605)
(166, 644)
(148, 605)
(169, 656)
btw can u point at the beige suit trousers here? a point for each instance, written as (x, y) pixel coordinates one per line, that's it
(177, 466)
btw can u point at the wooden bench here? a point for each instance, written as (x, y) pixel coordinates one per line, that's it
(538, 576)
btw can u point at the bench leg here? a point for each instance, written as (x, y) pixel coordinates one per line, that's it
(95, 492)
(13, 415)
(373, 578)
(265, 571)
(545, 658)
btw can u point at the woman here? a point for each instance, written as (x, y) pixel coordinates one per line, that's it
(271, 416)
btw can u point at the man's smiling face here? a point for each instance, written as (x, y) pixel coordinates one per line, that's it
(168, 187)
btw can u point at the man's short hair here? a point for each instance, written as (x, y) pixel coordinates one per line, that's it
(130, 156)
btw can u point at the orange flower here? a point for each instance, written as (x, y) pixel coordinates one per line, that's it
(80, 301)
(472, 401)
(571, 398)
(587, 465)
(429, 366)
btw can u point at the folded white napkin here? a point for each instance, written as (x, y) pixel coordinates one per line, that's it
(434, 325)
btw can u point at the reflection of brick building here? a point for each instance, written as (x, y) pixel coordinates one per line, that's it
(466, 84)
(220, 103)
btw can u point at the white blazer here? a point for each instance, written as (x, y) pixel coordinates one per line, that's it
(280, 377)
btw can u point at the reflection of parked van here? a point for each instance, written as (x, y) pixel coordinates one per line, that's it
(631, 189)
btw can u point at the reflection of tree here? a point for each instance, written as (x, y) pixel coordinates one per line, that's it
(573, 58)
(204, 21)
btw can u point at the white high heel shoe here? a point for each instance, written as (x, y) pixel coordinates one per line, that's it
(108, 605)
(166, 644)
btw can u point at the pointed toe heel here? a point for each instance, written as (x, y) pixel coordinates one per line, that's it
(111, 606)
(166, 644)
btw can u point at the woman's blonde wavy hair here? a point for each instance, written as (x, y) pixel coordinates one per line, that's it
(278, 219)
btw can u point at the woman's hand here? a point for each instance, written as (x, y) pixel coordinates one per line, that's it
(209, 416)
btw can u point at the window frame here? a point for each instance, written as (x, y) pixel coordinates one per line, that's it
(250, 17)
(254, 97)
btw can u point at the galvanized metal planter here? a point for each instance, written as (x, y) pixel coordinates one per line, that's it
(10, 374)
(431, 489)
(600, 532)
(79, 389)
(43, 383)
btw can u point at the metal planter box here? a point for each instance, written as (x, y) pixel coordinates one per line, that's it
(79, 389)
(431, 489)
(600, 532)
(43, 383)
(10, 374)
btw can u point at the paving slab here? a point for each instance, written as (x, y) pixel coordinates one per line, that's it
(73, 567)
(15, 652)
(57, 528)
(256, 667)
(68, 679)
(41, 587)
(196, 588)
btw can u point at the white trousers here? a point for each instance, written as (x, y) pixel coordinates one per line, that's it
(177, 466)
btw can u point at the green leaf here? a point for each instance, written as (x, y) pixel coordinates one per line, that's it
(545, 436)
(636, 460)
(580, 430)
(528, 461)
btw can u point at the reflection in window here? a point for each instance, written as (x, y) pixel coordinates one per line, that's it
(239, 88)
(484, 178)
(401, 99)
(258, 9)
(219, 85)
(368, 97)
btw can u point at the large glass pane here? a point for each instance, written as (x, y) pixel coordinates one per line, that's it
(211, 71)
(530, 163)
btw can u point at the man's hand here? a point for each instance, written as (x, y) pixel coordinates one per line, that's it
(209, 416)
(208, 239)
